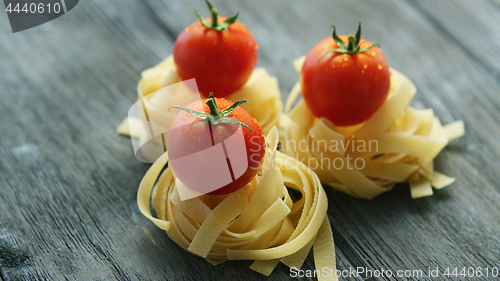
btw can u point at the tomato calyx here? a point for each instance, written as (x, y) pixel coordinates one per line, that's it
(352, 46)
(216, 116)
(215, 25)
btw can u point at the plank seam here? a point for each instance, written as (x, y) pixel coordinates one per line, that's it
(440, 27)
(156, 18)
(494, 4)
(2, 276)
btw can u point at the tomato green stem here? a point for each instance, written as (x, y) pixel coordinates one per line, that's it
(212, 105)
(352, 47)
(216, 116)
(215, 15)
(215, 25)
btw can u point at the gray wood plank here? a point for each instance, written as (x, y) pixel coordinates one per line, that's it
(471, 25)
(457, 86)
(457, 226)
(68, 183)
(450, 80)
(68, 207)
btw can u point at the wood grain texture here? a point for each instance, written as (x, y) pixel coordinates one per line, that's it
(68, 182)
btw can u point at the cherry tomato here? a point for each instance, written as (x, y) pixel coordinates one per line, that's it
(209, 123)
(219, 52)
(345, 79)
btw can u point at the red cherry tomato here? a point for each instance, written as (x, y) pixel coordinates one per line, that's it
(190, 134)
(345, 87)
(221, 58)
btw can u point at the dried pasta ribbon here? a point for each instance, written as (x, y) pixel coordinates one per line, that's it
(259, 222)
(406, 141)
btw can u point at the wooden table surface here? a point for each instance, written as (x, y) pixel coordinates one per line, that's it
(68, 182)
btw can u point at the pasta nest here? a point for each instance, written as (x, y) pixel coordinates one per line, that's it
(397, 144)
(258, 222)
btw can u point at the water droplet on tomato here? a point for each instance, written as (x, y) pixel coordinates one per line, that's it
(365, 66)
(379, 65)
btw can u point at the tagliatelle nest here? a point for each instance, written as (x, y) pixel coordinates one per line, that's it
(397, 144)
(259, 222)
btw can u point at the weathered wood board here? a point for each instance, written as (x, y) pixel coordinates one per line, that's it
(68, 182)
